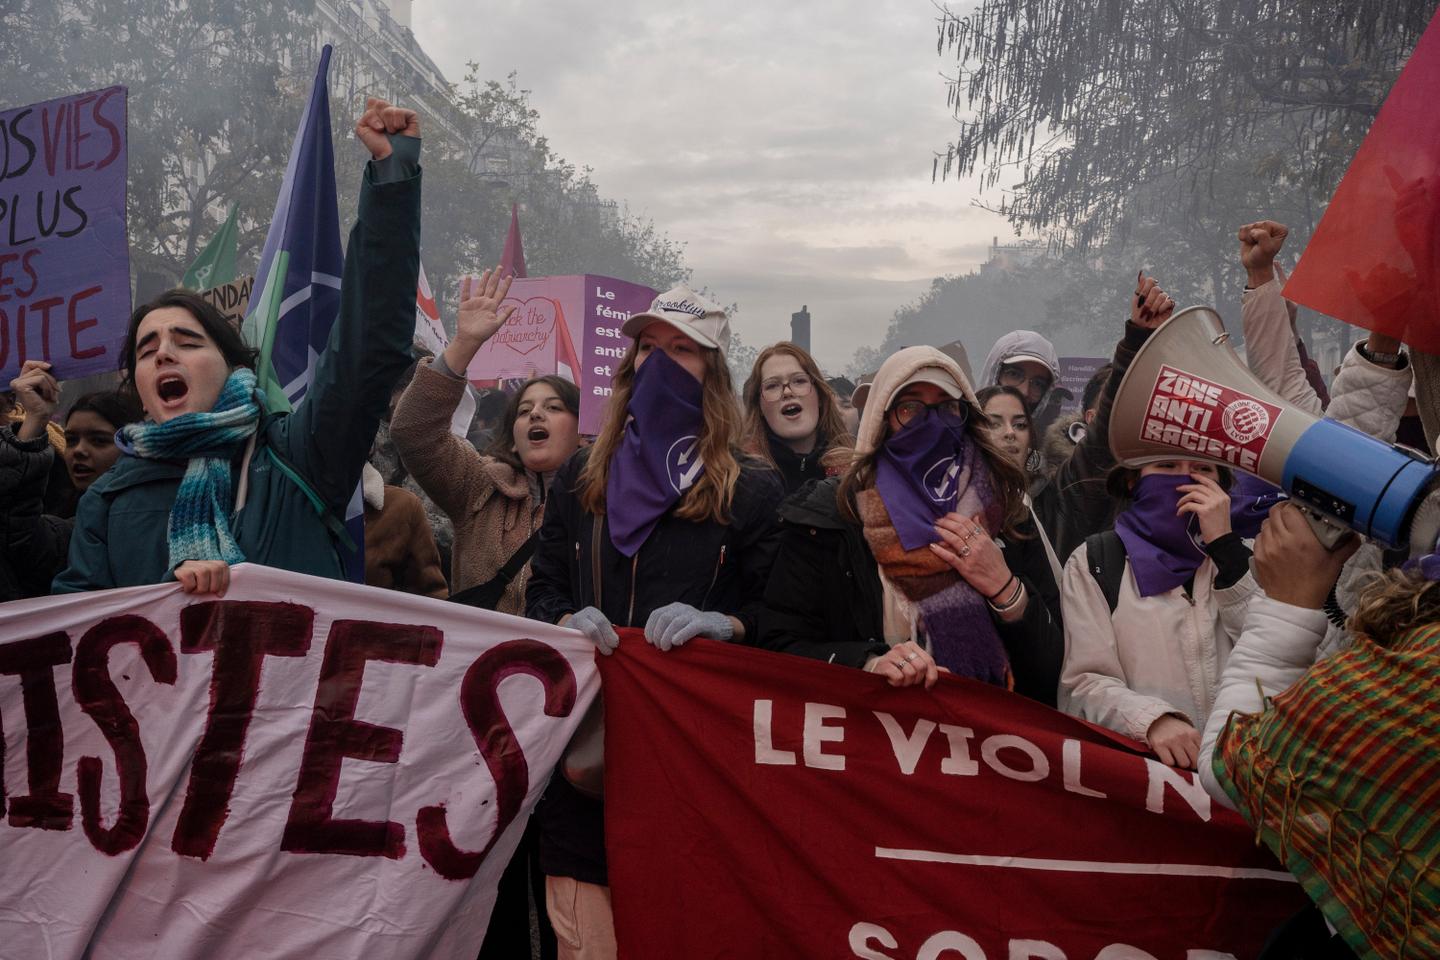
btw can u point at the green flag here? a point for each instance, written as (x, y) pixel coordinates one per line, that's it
(216, 263)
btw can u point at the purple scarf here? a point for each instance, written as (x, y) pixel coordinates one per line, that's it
(658, 459)
(920, 473)
(1163, 547)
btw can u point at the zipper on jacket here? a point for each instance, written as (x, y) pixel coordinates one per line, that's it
(579, 570)
(634, 568)
(714, 578)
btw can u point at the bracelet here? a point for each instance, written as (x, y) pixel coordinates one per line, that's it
(1003, 587)
(1014, 600)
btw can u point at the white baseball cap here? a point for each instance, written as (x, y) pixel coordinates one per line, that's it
(699, 319)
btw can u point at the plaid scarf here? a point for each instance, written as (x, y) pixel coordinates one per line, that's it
(199, 526)
(1340, 778)
(954, 616)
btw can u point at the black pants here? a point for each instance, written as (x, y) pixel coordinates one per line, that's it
(519, 902)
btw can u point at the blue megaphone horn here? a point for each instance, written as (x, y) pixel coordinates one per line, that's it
(1188, 395)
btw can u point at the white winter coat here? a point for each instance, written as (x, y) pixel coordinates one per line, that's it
(1154, 655)
(1280, 642)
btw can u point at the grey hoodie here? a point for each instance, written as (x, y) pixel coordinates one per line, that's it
(1016, 343)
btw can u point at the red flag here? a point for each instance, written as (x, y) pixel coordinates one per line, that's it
(567, 361)
(765, 805)
(1373, 259)
(512, 258)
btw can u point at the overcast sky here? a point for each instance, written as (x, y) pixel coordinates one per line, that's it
(789, 145)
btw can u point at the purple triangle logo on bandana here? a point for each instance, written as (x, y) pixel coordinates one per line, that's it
(920, 473)
(659, 457)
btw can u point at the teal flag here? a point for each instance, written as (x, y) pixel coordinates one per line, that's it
(216, 263)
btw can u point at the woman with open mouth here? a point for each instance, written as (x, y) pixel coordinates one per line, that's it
(664, 524)
(496, 500)
(921, 555)
(792, 417)
(211, 477)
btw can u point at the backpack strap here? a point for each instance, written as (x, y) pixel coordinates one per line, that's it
(1105, 552)
(334, 524)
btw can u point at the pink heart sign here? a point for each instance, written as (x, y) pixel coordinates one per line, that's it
(529, 327)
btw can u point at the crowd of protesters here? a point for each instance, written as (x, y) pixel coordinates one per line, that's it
(921, 522)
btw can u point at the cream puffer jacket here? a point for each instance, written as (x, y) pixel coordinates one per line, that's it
(1280, 642)
(1154, 655)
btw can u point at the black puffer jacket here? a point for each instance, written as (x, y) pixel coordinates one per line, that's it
(824, 599)
(33, 544)
(1075, 503)
(711, 566)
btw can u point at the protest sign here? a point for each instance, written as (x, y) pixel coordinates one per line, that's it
(1075, 373)
(784, 807)
(231, 299)
(64, 259)
(554, 314)
(304, 768)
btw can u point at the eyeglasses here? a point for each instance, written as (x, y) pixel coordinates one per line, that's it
(907, 410)
(800, 385)
(1015, 377)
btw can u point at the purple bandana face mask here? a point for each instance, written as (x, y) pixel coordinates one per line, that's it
(1164, 548)
(921, 470)
(659, 457)
(1250, 501)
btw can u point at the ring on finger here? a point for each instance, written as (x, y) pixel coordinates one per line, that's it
(912, 656)
(964, 551)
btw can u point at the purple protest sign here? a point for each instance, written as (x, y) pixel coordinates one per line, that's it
(608, 304)
(1075, 373)
(64, 256)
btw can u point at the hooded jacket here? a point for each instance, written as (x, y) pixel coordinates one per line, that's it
(1014, 344)
(826, 599)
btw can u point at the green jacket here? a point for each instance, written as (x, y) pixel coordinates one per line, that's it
(120, 525)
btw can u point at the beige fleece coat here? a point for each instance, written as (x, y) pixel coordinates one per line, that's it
(489, 502)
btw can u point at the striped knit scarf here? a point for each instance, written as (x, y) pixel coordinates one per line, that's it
(199, 527)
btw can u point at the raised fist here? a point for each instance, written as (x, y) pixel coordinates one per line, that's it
(379, 121)
(1259, 243)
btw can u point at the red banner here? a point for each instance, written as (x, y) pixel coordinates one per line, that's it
(1374, 261)
(762, 805)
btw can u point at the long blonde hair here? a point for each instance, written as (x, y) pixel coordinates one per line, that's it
(711, 496)
(831, 425)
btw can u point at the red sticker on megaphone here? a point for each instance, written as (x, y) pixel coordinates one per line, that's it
(1207, 419)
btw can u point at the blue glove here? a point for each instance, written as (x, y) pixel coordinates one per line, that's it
(596, 626)
(673, 624)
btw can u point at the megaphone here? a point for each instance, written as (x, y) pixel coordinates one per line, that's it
(1188, 395)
